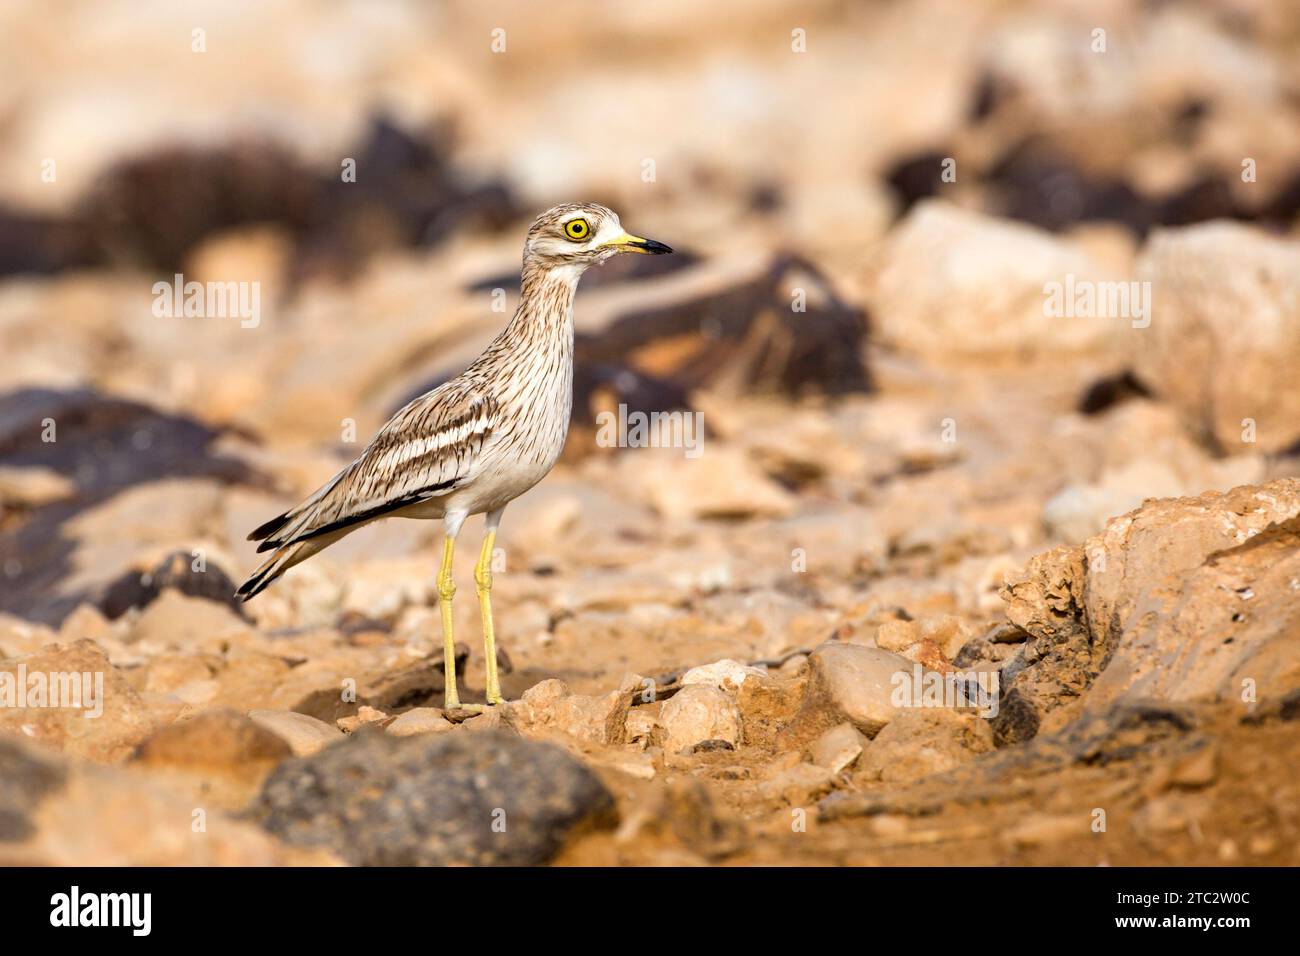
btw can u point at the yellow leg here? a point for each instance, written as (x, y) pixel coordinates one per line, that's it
(483, 584)
(446, 591)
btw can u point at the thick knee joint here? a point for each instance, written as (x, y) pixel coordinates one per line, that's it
(483, 577)
(446, 586)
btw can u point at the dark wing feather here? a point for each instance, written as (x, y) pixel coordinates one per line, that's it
(427, 449)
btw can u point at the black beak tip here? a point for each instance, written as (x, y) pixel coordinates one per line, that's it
(654, 248)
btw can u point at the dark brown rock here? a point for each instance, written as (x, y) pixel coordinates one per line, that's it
(483, 799)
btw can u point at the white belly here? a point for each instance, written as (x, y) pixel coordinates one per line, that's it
(516, 458)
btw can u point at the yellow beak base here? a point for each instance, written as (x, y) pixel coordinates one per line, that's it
(646, 247)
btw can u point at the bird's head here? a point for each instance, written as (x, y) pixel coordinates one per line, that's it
(575, 235)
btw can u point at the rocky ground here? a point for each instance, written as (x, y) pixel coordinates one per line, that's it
(906, 468)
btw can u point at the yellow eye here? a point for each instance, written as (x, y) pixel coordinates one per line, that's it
(577, 229)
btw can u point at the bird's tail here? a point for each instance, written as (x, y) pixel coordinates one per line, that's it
(275, 566)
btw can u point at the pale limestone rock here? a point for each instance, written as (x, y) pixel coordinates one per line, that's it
(87, 815)
(949, 633)
(1224, 342)
(924, 740)
(953, 281)
(725, 674)
(32, 487)
(305, 735)
(101, 716)
(180, 621)
(19, 636)
(897, 635)
(419, 720)
(699, 713)
(854, 683)
(549, 705)
(85, 622)
(365, 715)
(1082, 510)
(838, 747)
(725, 483)
(220, 739)
(641, 726)
(800, 785)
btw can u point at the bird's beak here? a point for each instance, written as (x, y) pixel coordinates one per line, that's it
(646, 247)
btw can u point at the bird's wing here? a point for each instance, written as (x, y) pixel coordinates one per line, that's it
(427, 449)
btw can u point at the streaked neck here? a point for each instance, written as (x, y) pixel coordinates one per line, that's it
(546, 296)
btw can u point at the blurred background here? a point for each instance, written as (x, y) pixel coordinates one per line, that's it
(870, 202)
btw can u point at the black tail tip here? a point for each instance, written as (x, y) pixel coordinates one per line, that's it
(249, 590)
(269, 528)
